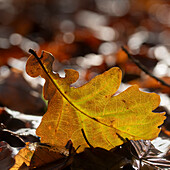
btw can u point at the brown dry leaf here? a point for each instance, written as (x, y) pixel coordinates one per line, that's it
(6, 159)
(11, 122)
(13, 51)
(100, 159)
(17, 94)
(61, 51)
(41, 156)
(149, 82)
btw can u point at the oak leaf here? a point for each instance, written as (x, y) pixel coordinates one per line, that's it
(105, 118)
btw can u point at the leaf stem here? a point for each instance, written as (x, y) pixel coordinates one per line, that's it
(84, 135)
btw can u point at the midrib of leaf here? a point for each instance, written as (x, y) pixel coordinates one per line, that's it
(49, 76)
(65, 97)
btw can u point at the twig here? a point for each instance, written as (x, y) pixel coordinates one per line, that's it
(144, 69)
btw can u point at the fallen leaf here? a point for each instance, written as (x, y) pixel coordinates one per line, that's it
(13, 51)
(6, 159)
(99, 158)
(151, 83)
(23, 156)
(46, 157)
(105, 119)
(10, 122)
(17, 94)
(10, 137)
(38, 155)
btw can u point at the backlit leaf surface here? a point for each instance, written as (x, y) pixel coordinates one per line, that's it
(93, 108)
(24, 156)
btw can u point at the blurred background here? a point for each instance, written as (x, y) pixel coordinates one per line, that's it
(86, 36)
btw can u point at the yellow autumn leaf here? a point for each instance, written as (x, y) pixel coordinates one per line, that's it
(105, 118)
(23, 156)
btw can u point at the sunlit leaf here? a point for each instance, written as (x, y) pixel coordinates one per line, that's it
(24, 156)
(105, 119)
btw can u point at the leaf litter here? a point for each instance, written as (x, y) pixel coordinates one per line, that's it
(77, 101)
(143, 26)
